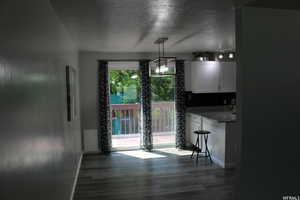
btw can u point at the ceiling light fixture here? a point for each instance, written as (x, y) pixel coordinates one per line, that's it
(220, 56)
(231, 55)
(162, 66)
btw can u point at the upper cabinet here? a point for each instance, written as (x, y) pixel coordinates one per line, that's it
(211, 77)
(228, 79)
(205, 77)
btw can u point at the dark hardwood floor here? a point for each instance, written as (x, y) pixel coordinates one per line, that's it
(124, 177)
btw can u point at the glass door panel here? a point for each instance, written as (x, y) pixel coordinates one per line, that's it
(125, 108)
(163, 111)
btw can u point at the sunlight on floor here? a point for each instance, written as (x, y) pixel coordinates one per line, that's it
(134, 140)
(174, 151)
(141, 154)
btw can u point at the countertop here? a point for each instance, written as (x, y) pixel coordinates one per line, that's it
(219, 113)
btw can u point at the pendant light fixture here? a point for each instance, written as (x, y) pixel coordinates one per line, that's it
(162, 66)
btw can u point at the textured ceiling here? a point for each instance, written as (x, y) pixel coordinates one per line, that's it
(133, 25)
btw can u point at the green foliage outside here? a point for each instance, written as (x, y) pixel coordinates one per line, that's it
(163, 88)
(126, 84)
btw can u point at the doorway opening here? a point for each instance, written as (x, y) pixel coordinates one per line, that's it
(125, 107)
(124, 82)
(163, 111)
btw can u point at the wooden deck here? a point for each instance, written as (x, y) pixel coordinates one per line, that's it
(133, 140)
(159, 175)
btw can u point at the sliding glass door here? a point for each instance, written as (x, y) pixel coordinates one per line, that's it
(124, 84)
(125, 108)
(163, 111)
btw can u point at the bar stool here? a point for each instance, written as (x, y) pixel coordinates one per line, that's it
(200, 149)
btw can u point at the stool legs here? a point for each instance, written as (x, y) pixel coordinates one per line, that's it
(200, 149)
(195, 148)
(207, 153)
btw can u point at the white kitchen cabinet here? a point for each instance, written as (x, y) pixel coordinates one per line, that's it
(212, 76)
(228, 77)
(205, 77)
(193, 123)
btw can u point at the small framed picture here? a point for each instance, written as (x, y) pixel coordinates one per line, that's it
(71, 87)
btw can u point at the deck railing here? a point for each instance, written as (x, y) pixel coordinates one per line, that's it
(126, 118)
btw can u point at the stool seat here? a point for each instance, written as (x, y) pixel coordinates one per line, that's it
(202, 132)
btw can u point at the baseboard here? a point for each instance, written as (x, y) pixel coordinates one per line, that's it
(76, 177)
(218, 162)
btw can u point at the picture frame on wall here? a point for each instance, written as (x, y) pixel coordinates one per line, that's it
(71, 89)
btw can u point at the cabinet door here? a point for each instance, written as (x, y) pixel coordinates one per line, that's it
(195, 125)
(205, 77)
(228, 79)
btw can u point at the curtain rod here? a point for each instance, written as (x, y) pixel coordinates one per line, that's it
(122, 60)
(128, 60)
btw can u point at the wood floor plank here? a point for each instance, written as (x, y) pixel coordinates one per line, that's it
(119, 176)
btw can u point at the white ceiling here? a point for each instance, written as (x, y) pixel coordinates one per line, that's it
(133, 25)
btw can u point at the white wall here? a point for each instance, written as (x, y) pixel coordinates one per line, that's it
(268, 97)
(91, 140)
(39, 148)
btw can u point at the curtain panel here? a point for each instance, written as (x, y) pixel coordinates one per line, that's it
(146, 105)
(104, 126)
(180, 104)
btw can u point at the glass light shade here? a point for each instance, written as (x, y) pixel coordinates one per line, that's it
(163, 66)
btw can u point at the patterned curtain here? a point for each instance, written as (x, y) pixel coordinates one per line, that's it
(180, 104)
(146, 105)
(104, 129)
